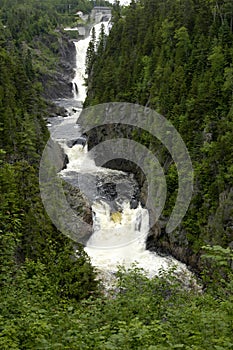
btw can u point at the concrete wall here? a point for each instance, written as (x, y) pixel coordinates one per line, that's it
(100, 13)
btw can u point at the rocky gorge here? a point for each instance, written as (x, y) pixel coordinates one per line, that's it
(178, 243)
(175, 243)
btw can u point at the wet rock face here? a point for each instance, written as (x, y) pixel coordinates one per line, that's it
(107, 190)
(82, 209)
(114, 189)
(57, 155)
(82, 140)
(57, 84)
(54, 110)
(175, 244)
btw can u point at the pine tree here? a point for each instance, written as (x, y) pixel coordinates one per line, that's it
(91, 52)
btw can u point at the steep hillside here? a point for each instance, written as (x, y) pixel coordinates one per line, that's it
(31, 43)
(176, 57)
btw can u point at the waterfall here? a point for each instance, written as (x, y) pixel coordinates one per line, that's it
(79, 89)
(119, 231)
(119, 237)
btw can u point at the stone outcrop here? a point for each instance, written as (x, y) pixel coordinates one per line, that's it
(54, 110)
(57, 83)
(67, 207)
(56, 155)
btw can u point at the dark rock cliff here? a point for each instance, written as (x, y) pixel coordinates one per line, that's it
(57, 82)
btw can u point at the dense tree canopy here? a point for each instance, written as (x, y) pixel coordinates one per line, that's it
(31, 247)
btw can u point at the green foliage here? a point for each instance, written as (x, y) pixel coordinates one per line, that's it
(38, 265)
(218, 269)
(144, 314)
(91, 52)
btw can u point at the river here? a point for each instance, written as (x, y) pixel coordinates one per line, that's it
(119, 228)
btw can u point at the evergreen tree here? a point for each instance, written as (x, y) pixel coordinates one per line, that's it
(91, 52)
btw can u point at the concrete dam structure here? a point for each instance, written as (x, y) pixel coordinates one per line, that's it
(101, 14)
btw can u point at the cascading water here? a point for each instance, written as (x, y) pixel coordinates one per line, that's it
(79, 89)
(118, 236)
(119, 231)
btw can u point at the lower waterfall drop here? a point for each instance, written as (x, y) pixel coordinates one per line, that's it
(119, 237)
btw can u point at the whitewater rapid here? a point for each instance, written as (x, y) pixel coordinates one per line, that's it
(119, 237)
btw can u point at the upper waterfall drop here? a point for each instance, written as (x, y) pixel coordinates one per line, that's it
(81, 46)
(79, 89)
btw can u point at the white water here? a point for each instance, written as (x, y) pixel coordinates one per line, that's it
(81, 49)
(111, 228)
(122, 2)
(116, 240)
(121, 241)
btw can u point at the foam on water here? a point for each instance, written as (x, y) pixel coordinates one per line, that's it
(119, 241)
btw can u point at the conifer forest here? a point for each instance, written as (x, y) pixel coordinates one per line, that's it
(176, 58)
